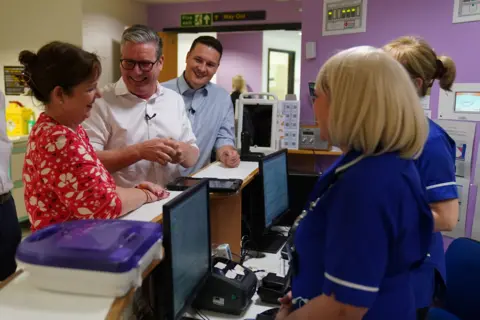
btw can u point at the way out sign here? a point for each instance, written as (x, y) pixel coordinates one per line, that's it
(196, 20)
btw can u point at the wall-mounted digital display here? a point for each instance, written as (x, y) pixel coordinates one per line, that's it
(467, 102)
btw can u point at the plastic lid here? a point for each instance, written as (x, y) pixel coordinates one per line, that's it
(99, 245)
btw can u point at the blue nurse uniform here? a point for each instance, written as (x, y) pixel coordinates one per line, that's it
(367, 226)
(436, 167)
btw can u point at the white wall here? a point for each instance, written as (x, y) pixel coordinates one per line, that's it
(27, 24)
(103, 24)
(282, 40)
(185, 41)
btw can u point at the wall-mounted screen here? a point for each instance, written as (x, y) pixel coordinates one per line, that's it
(467, 102)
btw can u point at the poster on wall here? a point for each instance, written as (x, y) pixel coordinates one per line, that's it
(344, 16)
(12, 76)
(466, 11)
(463, 186)
(463, 133)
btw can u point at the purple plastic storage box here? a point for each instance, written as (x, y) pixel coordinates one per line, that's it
(98, 257)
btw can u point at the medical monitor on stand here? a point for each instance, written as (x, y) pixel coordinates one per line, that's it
(258, 118)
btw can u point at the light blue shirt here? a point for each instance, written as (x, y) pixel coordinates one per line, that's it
(210, 111)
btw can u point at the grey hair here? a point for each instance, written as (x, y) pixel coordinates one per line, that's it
(142, 34)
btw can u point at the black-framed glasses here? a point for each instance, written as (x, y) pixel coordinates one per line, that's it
(144, 65)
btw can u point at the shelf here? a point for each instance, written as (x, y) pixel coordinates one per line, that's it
(327, 153)
(315, 152)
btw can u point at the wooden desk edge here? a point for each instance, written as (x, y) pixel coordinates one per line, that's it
(313, 152)
(119, 304)
(4, 283)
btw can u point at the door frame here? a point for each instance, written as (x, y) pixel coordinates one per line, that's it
(291, 69)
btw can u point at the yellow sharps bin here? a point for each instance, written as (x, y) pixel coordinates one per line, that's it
(17, 116)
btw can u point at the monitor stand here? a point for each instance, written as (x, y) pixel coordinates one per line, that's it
(268, 243)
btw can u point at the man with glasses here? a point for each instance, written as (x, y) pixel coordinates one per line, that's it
(139, 128)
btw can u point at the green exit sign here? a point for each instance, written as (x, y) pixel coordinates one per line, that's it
(196, 20)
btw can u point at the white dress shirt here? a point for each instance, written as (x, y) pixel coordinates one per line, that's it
(5, 150)
(119, 119)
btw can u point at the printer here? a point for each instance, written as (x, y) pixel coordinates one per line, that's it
(229, 288)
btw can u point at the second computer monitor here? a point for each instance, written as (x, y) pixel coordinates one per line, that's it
(273, 170)
(187, 247)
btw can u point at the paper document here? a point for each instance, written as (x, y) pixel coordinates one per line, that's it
(217, 170)
(463, 133)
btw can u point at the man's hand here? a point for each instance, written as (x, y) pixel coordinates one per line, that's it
(180, 148)
(229, 157)
(157, 150)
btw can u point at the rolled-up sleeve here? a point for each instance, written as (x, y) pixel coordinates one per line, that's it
(226, 133)
(97, 125)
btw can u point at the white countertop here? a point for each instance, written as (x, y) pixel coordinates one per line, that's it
(21, 301)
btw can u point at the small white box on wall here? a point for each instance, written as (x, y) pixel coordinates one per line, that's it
(310, 50)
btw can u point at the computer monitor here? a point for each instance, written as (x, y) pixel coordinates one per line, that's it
(187, 262)
(467, 102)
(273, 170)
(268, 202)
(258, 117)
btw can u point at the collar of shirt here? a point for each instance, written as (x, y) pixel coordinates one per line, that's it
(185, 90)
(122, 90)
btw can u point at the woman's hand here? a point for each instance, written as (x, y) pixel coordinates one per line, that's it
(156, 192)
(285, 306)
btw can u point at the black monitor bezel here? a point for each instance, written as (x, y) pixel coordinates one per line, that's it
(261, 170)
(167, 208)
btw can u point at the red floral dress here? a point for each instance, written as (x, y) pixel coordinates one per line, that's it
(63, 178)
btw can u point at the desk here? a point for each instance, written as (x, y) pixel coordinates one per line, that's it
(226, 210)
(21, 301)
(306, 160)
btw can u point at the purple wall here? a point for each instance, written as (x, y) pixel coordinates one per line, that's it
(242, 54)
(386, 20)
(168, 15)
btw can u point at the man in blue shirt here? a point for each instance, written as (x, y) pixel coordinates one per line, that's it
(209, 107)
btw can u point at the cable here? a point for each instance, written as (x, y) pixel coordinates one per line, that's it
(202, 315)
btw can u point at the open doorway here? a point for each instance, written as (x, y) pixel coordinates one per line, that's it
(281, 71)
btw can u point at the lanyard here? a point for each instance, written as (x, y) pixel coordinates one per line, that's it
(319, 191)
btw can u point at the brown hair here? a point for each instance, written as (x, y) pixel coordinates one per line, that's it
(421, 61)
(57, 64)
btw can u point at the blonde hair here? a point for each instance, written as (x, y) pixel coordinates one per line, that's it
(239, 83)
(421, 61)
(373, 103)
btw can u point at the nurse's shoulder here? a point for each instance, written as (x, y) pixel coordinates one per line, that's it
(385, 172)
(438, 136)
